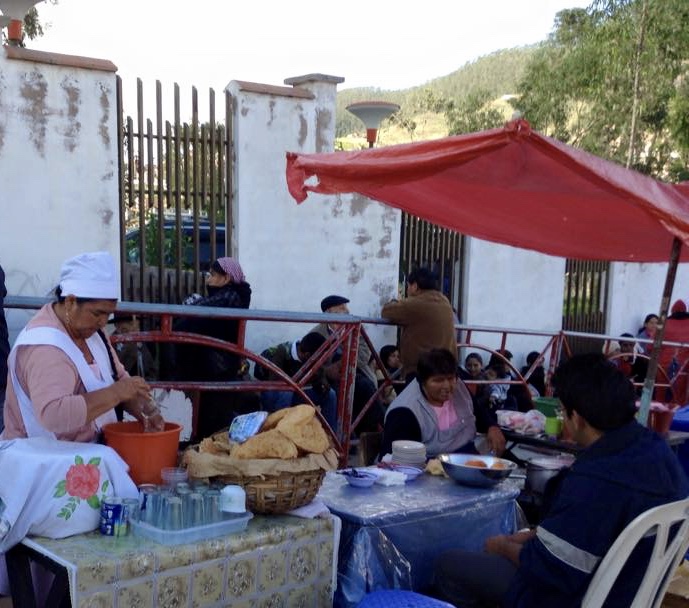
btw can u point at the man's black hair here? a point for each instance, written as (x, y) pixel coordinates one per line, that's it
(435, 362)
(311, 342)
(597, 390)
(424, 278)
(531, 357)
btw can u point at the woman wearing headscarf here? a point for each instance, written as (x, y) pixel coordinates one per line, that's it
(227, 288)
(64, 376)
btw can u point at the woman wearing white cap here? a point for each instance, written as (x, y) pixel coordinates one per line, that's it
(64, 377)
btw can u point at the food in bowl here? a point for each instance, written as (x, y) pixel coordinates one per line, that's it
(359, 479)
(475, 463)
(459, 468)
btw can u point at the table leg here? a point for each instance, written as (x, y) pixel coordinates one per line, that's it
(19, 560)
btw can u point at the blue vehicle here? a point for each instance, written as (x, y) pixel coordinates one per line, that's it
(133, 244)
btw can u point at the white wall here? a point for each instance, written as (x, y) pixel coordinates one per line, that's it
(636, 290)
(511, 288)
(294, 255)
(58, 170)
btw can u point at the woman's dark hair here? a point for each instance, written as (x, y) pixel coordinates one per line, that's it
(531, 357)
(385, 353)
(424, 278)
(60, 298)
(474, 356)
(597, 390)
(435, 362)
(216, 267)
(650, 316)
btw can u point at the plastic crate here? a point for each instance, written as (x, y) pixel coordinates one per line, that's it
(192, 535)
(547, 405)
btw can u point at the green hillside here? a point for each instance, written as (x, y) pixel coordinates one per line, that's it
(497, 74)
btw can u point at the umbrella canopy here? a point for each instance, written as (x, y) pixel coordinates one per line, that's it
(512, 186)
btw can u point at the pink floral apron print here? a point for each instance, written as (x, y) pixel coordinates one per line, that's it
(82, 482)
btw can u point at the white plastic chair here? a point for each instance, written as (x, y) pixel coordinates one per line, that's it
(664, 558)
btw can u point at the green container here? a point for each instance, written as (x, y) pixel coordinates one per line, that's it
(547, 405)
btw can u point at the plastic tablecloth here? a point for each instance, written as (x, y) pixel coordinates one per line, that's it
(391, 535)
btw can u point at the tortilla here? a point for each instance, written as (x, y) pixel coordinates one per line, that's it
(270, 444)
(296, 413)
(308, 436)
(479, 464)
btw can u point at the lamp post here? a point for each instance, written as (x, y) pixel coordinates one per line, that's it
(13, 13)
(372, 113)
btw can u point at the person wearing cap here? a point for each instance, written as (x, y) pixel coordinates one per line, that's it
(426, 318)
(365, 382)
(227, 288)
(64, 376)
(673, 359)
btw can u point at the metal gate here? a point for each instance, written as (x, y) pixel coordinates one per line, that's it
(426, 245)
(586, 301)
(175, 195)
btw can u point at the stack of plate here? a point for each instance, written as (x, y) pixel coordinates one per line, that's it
(409, 453)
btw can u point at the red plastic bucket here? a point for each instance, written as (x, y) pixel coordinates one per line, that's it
(145, 453)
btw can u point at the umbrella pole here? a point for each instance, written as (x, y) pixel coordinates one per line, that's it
(646, 394)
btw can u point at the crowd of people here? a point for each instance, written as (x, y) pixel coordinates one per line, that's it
(66, 380)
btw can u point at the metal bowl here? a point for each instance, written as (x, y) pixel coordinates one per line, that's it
(476, 476)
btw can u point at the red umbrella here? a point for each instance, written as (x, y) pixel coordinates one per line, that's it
(517, 187)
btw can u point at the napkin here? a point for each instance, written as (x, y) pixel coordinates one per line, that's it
(389, 478)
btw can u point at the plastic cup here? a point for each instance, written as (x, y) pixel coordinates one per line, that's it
(173, 517)
(171, 476)
(553, 427)
(195, 511)
(211, 500)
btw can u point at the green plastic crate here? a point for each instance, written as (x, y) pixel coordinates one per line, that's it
(547, 405)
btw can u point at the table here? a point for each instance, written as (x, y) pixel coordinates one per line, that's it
(392, 534)
(276, 561)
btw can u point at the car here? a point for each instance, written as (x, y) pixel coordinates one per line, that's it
(133, 243)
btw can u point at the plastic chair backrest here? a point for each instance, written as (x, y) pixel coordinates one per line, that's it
(664, 559)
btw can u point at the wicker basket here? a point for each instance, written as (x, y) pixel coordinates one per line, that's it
(278, 493)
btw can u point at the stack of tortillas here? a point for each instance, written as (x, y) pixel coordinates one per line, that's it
(285, 434)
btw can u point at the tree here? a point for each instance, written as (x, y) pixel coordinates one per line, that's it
(607, 81)
(33, 28)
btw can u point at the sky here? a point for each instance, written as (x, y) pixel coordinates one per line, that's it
(208, 43)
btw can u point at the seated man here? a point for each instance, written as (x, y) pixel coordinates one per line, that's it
(624, 470)
(365, 383)
(289, 357)
(436, 409)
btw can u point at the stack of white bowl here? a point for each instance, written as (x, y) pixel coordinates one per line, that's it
(409, 453)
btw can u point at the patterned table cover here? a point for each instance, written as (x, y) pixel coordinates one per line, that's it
(278, 561)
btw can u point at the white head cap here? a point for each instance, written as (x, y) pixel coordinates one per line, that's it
(90, 275)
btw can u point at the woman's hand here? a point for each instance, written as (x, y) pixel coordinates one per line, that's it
(495, 440)
(131, 388)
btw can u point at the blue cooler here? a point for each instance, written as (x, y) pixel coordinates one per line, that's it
(680, 422)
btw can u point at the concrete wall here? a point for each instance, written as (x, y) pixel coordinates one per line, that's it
(636, 290)
(58, 166)
(513, 288)
(294, 255)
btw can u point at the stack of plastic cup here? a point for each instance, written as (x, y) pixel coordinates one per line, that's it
(173, 475)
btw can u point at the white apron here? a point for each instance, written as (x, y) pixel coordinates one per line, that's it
(54, 337)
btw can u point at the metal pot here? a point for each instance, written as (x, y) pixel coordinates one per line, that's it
(540, 470)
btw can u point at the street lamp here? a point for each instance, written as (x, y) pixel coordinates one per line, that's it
(13, 12)
(372, 113)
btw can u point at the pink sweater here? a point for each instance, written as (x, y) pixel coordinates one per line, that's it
(52, 382)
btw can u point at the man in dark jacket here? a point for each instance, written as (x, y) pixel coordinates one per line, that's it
(290, 357)
(624, 470)
(4, 346)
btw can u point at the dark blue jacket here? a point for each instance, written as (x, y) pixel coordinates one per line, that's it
(626, 472)
(4, 341)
